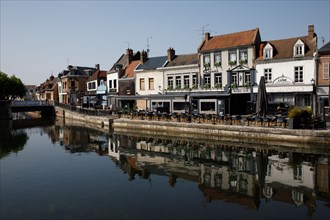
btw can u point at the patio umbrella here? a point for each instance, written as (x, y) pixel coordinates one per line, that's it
(262, 102)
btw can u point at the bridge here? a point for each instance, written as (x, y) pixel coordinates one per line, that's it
(46, 109)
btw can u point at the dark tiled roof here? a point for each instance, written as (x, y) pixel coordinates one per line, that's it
(152, 63)
(122, 61)
(284, 48)
(325, 49)
(100, 74)
(237, 39)
(184, 59)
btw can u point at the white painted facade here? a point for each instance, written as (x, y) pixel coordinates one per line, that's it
(153, 81)
(112, 82)
(225, 66)
(283, 79)
(181, 73)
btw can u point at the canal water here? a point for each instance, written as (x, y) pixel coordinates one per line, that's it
(64, 171)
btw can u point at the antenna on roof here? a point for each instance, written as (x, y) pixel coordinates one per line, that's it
(148, 44)
(127, 44)
(203, 30)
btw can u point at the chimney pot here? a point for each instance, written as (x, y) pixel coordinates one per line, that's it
(261, 50)
(170, 54)
(311, 31)
(207, 36)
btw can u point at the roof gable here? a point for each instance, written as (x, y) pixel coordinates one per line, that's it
(100, 74)
(284, 48)
(243, 38)
(185, 59)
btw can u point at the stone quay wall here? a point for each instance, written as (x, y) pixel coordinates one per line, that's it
(233, 133)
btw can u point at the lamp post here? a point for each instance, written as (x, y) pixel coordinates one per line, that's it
(313, 97)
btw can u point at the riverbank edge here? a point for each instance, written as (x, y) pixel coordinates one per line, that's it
(234, 133)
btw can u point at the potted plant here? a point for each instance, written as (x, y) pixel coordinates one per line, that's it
(298, 117)
(232, 63)
(207, 86)
(206, 66)
(218, 86)
(170, 88)
(195, 86)
(217, 64)
(244, 61)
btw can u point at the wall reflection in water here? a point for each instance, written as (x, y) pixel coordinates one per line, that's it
(231, 173)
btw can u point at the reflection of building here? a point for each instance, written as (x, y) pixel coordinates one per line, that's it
(290, 182)
(323, 175)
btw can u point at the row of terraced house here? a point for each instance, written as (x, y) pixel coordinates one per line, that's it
(221, 78)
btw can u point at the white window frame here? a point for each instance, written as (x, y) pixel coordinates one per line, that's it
(268, 74)
(298, 74)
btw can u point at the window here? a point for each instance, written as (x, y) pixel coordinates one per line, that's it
(151, 83)
(178, 82)
(234, 79)
(194, 80)
(218, 79)
(170, 82)
(207, 106)
(299, 50)
(91, 85)
(298, 74)
(206, 58)
(268, 53)
(207, 79)
(247, 79)
(206, 61)
(325, 70)
(110, 84)
(142, 85)
(128, 90)
(186, 81)
(217, 59)
(268, 75)
(232, 56)
(243, 56)
(114, 83)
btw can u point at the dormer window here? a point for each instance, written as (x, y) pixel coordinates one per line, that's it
(268, 52)
(299, 48)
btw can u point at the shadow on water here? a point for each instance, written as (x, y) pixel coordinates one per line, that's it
(13, 136)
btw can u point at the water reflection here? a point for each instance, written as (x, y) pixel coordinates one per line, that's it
(228, 172)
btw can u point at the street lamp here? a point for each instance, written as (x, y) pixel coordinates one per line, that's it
(313, 97)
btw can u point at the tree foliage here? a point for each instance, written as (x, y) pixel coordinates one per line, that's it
(11, 87)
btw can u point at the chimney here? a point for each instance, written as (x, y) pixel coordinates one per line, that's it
(170, 54)
(97, 66)
(311, 33)
(207, 36)
(261, 50)
(144, 56)
(51, 77)
(129, 54)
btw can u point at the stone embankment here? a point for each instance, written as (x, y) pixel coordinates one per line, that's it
(218, 132)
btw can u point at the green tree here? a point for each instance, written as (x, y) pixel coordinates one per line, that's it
(11, 87)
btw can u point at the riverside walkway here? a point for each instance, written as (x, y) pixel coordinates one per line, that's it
(209, 128)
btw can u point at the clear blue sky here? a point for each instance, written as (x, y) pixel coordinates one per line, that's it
(40, 38)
